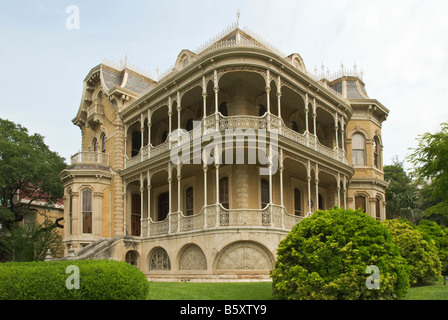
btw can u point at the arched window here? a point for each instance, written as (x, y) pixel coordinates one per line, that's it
(297, 202)
(264, 193)
(159, 260)
(189, 201)
(87, 211)
(224, 192)
(223, 109)
(103, 143)
(376, 153)
(360, 202)
(131, 257)
(95, 144)
(358, 149)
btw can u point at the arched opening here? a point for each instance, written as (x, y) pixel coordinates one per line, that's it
(361, 202)
(132, 257)
(159, 260)
(325, 128)
(159, 126)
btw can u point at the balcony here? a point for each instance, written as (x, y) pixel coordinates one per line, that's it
(90, 158)
(268, 122)
(95, 114)
(214, 217)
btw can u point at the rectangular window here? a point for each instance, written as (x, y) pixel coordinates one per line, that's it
(87, 211)
(378, 208)
(224, 192)
(189, 201)
(358, 157)
(163, 205)
(360, 203)
(264, 193)
(135, 214)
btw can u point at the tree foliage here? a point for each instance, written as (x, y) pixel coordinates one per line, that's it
(430, 160)
(439, 234)
(325, 256)
(403, 198)
(27, 168)
(419, 251)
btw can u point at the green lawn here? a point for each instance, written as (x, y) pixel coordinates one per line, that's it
(257, 291)
(438, 291)
(210, 291)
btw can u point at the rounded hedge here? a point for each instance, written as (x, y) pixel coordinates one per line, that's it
(419, 251)
(439, 234)
(325, 256)
(55, 280)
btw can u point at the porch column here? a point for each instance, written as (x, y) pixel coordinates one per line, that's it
(205, 184)
(308, 177)
(141, 207)
(148, 215)
(336, 133)
(217, 195)
(316, 181)
(279, 95)
(338, 189)
(179, 108)
(216, 89)
(169, 121)
(125, 196)
(142, 134)
(204, 97)
(179, 177)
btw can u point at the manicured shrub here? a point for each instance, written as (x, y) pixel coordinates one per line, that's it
(421, 254)
(98, 280)
(439, 234)
(325, 256)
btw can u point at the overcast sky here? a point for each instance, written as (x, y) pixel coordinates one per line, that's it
(401, 46)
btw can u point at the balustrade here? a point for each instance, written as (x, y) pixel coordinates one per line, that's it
(208, 125)
(215, 217)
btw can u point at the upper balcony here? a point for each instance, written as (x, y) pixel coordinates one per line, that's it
(217, 122)
(90, 158)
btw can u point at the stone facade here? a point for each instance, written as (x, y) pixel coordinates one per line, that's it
(141, 192)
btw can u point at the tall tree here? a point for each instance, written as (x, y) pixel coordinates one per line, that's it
(29, 170)
(402, 195)
(430, 160)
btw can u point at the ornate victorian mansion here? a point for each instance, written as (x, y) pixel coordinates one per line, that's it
(201, 174)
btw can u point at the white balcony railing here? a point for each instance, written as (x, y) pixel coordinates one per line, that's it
(268, 122)
(90, 157)
(214, 217)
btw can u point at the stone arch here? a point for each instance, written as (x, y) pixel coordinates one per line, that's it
(159, 259)
(244, 255)
(132, 257)
(191, 257)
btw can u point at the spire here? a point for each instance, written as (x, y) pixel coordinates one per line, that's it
(238, 18)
